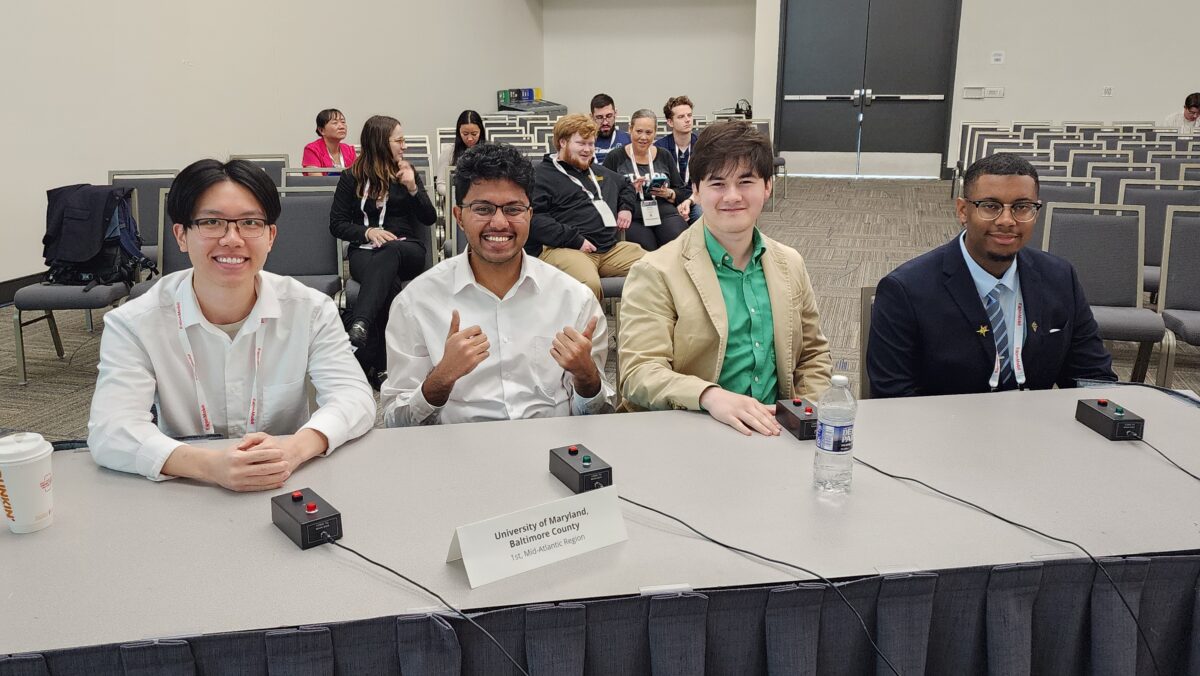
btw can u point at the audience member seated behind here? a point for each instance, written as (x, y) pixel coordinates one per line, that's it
(630, 160)
(494, 333)
(678, 113)
(723, 319)
(940, 320)
(329, 151)
(608, 136)
(1185, 120)
(378, 207)
(249, 336)
(468, 131)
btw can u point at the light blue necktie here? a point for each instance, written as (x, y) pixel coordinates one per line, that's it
(1000, 335)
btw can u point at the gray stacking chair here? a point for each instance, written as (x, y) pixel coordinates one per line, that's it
(991, 146)
(1155, 197)
(1077, 126)
(1189, 172)
(446, 135)
(1027, 131)
(1171, 161)
(1053, 190)
(146, 184)
(304, 248)
(1060, 151)
(1179, 300)
(1079, 159)
(1090, 132)
(1105, 244)
(966, 141)
(982, 137)
(1142, 149)
(1133, 126)
(1022, 125)
(1044, 140)
(272, 164)
(1046, 169)
(1111, 175)
(1112, 140)
(309, 177)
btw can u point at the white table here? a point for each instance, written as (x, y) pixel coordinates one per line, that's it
(128, 559)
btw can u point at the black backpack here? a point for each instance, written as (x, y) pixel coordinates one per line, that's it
(92, 237)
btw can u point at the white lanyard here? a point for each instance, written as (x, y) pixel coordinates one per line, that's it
(679, 161)
(1018, 338)
(367, 222)
(649, 168)
(201, 399)
(612, 140)
(574, 180)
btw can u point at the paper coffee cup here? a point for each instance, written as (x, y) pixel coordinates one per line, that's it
(26, 482)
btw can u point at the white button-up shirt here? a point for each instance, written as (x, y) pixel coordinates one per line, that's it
(519, 378)
(143, 362)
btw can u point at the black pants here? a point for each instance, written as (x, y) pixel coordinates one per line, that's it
(653, 236)
(379, 273)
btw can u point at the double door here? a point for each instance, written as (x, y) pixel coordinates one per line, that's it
(865, 84)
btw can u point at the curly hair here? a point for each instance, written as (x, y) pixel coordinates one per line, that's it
(491, 162)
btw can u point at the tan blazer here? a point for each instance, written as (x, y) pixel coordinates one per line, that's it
(674, 328)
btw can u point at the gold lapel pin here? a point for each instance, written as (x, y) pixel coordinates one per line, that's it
(983, 329)
(1033, 326)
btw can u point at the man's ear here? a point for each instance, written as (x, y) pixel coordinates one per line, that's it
(180, 236)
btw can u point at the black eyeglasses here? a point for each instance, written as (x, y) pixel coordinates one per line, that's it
(487, 209)
(1022, 212)
(216, 228)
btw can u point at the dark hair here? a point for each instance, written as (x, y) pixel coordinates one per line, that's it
(201, 175)
(375, 165)
(676, 101)
(466, 117)
(491, 162)
(601, 101)
(724, 145)
(1192, 100)
(325, 116)
(1000, 164)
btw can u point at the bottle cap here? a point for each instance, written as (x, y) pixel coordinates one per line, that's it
(840, 381)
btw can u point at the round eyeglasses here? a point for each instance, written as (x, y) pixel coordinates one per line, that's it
(1022, 212)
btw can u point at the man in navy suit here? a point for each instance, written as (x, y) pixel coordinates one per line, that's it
(980, 313)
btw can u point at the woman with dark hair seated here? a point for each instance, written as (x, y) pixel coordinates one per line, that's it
(379, 206)
(329, 151)
(468, 132)
(225, 348)
(656, 221)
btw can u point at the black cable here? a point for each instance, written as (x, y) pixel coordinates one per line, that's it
(329, 539)
(1168, 459)
(1022, 526)
(715, 541)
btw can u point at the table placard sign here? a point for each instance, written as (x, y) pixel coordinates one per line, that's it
(513, 543)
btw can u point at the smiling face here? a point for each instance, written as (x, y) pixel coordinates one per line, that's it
(230, 261)
(995, 243)
(732, 199)
(641, 131)
(577, 151)
(396, 143)
(495, 239)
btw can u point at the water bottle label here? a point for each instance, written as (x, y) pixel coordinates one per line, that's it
(835, 438)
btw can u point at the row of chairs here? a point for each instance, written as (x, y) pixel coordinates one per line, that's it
(1108, 244)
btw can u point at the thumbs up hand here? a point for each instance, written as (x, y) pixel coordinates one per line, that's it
(572, 350)
(465, 349)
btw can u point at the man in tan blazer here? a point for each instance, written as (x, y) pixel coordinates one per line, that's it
(723, 319)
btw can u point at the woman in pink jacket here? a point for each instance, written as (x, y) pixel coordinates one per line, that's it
(329, 151)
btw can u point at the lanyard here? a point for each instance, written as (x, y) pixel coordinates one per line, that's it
(201, 398)
(574, 180)
(612, 140)
(363, 205)
(649, 167)
(1018, 337)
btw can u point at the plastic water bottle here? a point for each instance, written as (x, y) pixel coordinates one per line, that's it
(834, 459)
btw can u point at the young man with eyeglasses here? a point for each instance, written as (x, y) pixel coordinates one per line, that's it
(1185, 120)
(494, 333)
(982, 312)
(223, 349)
(608, 135)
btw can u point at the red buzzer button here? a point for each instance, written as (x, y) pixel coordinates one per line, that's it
(797, 402)
(311, 508)
(572, 450)
(808, 410)
(297, 496)
(1102, 402)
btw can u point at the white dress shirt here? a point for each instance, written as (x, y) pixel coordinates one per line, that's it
(143, 361)
(519, 378)
(1178, 121)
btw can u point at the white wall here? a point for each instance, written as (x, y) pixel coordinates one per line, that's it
(1059, 56)
(643, 52)
(93, 85)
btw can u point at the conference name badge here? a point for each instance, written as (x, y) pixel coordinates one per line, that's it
(514, 543)
(650, 215)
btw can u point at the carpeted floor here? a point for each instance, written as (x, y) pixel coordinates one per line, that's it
(851, 233)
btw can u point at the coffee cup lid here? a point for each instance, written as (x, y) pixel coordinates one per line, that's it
(22, 446)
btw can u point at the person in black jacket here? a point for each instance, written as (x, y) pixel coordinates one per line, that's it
(578, 209)
(378, 207)
(639, 160)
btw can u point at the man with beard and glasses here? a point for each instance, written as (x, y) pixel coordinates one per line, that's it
(982, 312)
(494, 333)
(578, 209)
(608, 135)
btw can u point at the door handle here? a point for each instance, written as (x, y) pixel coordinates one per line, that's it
(867, 97)
(856, 97)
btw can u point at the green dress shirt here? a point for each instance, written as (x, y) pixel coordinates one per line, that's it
(749, 366)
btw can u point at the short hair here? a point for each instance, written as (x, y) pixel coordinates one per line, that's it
(676, 101)
(491, 162)
(722, 146)
(643, 113)
(325, 116)
(576, 123)
(601, 101)
(201, 175)
(1192, 100)
(1000, 164)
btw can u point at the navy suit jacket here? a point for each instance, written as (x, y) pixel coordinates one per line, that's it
(925, 322)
